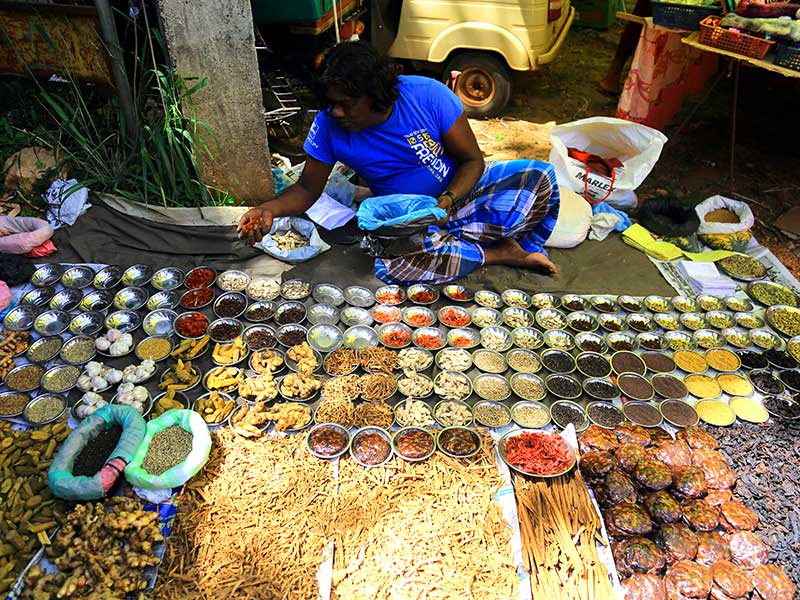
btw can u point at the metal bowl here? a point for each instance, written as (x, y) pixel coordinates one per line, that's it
(224, 421)
(641, 323)
(529, 403)
(250, 310)
(748, 320)
(388, 329)
(489, 299)
(22, 368)
(39, 296)
(88, 323)
(225, 283)
(693, 321)
(516, 298)
(628, 405)
(447, 431)
(652, 341)
(573, 302)
(41, 342)
(416, 312)
(445, 310)
(38, 399)
(325, 337)
(556, 338)
(329, 426)
(708, 338)
(498, 406)
(736, 337)
(621, 341)
(165, 299)
(557, 352)
(23, 317)
(549, 383)
(429, 331)
(458, 293)
(536, 363)
(137, 275)
(199, 377)
(498, 339)
(311, 398)
(47, 381)
(253, 329)
(581, 316)
(294, 295)
(719, 319)
(383, 313)
(590, 341)
(168, 278)
(51, 322)
(684, 304)
(680, 340)
(130, 298)
(414, 292)
(159, 322)
(254, 355)
(611, 322)
(292, 363)
(124, 320)
(178, 397)
(486, 317)
(272, 292)
(501, 446)
(457, 375)
(527, 337)
(464, 337)
(327, 293)
(738, 304)
(763, 338)
(545, 300)
(283, 329)
(517, 317)
(74, 341)
(370, 430)
(360, 336)
(323, 314)
(79, 276)
(441, 403)
(631, 304)
(157, 360)
(707, 302)
(67, 299)
(353, 316)
(658, 304)
(284, 306)
(107, 277)
(98, 300)
(517, 379)
(404, 431)
(7, 394)
(194, 292)
(47, 275)
(667, 321)
(441, 354)
(214, 334)
(611, 386)
(237, 296)
(579, 427)
(604, 304)
(501, 381)
(201, 268)
(186, 316)
(771, 312)
(358, 296)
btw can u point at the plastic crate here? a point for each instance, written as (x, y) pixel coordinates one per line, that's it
(711, 34)
(787, 54)
(681, 16)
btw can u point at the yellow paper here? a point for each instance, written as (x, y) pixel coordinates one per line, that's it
(641, 239)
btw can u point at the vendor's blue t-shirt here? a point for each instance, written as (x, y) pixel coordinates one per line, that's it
(403, 155)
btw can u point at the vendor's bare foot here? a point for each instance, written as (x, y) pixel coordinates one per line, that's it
(509, 252)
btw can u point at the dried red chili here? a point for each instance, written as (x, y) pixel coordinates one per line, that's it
(197, 297)
(397, 338)
(453, 317)
(419, 320)
(250, 225)
(389, 297)
(191, 325)
(423, 296)
(538, 452)
(459, 295)
(429, 341)
(199, 278)
(387, 315)
(462, 341)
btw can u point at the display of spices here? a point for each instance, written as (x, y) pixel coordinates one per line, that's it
(492, 414)
(658, 363)
(292, 337)
(450, 413)
(667, 322)
(44, 408)
(600, 388)
(563, 386)
(582, 322)
(289, 314)
(390, 296)
(414, 443)
(327, 441)
(752, 360)
(530, 387)
(263, 289)
(492, 362)
(782, 408)
(423, 296)
(24, 378)
(199, 277)
(719, 319)
(635, 386)
(669, 386)
(715, 412)
(371, 447)
(44, 349)
(522, 361)
(563, 413)
(779, 358)
(492, 387)
(12, 403)
(642, 413)
(295, 289)
(154, 348)
(454, 317)
(414, 413)
(454, 359)
(652, 341)
(657, 304)
(78, 350)
(749, 410)
(770, 294)
(702, 386)
(230, 305)
(191, 325)
(604, 414)
(60, 379)
(736, 337)
(707, 302)
(631, 303)
(791, 379)
(197, 298)
(539, 453)
(459, 441)
(530, 415)
(397, 336)
(627, 362)
(259, 312)
(678, 413)
(690, 361)
(735, 385)
(748, 320)
(96, 452)
(387, 314)
(558, 361)
(259, 338)
(168, 448)
(742, 265)
(766, 382)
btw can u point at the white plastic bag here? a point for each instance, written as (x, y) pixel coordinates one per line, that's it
(574, 219)
(637, 146)
(742, 210)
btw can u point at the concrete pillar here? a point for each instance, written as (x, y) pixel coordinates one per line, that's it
(215, 39)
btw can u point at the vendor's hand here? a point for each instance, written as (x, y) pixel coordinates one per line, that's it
(254, 225)
(445, 202)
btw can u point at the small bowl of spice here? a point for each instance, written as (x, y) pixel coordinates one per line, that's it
(708, 338)
(631, 303)
(418, 316)
(261, 311)
(530, 414)
(558, 361)
(516, 298)
(620, 341)
(679, 340)
(295, 289)
(557, 338)
(601, 389)
(290, 312)
(13, 403)
(563, 386)
(394, 335)
(519, 360)
(458, 293)
(155, 348)
(486, 317)
(575, 302)
(291, 335)
(459, 442)
(225, 330)
(390, 295)
(702, 386)
(371, 446)
(748, 320)
(24, 378)
(738, 304)
(454, 316)
(45, 409)
(517, 317)
(328, 440)
(429, 338)
(545, 300)
(743, 267)
(604, 414)
(736, 337)
(421, 293)
(635, 386)
(414, 444)
(604, 304)
(263, 289)
(490, 361)
(259, 337)
(550, 318)
(593, 364)
(526, 337)
(78, 350)
(191, 325)
(61, 378)
(200, 277)
(678, 413)
(707, 302)
(590, 342)
(611, 322)
(582, 321)
(464, 337)
(668, 386)
(764, 381)
(488, 298)
(657, 304)
(231, 305)
(764, 339)
(197, 298)
(233, 281)
(44, 349)
(720, 319)
(642, 413)
(528, 386)
(452, 413)
(490, 413)
(564, 412)
(382, 313)
(492, 387)
(684, 304)
(625, 361)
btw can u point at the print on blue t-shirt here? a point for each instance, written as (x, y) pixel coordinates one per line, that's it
(403, 155)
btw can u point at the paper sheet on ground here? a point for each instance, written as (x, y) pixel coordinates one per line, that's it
(328, 213)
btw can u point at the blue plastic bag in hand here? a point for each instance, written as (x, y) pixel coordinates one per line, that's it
(398, 215)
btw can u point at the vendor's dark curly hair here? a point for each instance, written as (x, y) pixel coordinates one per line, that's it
(357, 69)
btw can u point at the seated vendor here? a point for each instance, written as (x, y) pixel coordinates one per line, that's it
(409, 135)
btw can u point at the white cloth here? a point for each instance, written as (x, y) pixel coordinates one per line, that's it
(67, 202)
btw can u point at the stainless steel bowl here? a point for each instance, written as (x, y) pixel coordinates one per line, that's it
(249, 312)
(501, 446)
(737, 304)
(658, 304)
(611, 322)
(498, 339)
(398, 293)
(107, 277)
(285, 306)
(763, 338)
(198, 269)
(545, 300)
(98, 300)
(78, 339)
(680, 340)
(667, 322)
(708, 338)
(39, 296)
(67, 299)
(353, 316)
(719, 319)
(214, 333)
(227, 281)
(51, 322)
(458, 293)
(684, 304)
(250, 332)
(604, 304)
(574, 302)
(387, 329)
(403, 432)
(5, 412)
(137, 275)
(22, 318)
(47, 275)
(641, 322)
(328, 426)
(236, 296)
(652, 341)
(631, 303)
(489, 299)
(24, 389)
(370, 430)
(412, 312)
(49, 383)
(327, 293)
(462, 352)
(457, 336)
(517, 317)
(447, 431)
(325, 337)
(551, 318)
(303, 289)
(517, 406)
(527, 337)
(359, 296)
(195, 292)
(323, 314)
(41, 342)
(486, 317)
(155, 358)
(292, 363)
(360, 336)
(448, 397)
(556, 338)
(500, 381)
(736, 337)
(574, 317)
(165, 299)
(516, 298)
(708, 302)
(87, 323)
(124, 320)
(383, 313)
(44, 398)
(159, 322)
(283, 329)
(168, 278)
(590, 341)
(415, 290)
(620, 340)
(226, 398)
(130, 298)
(79, 276)
(433, 331)
(502, 360)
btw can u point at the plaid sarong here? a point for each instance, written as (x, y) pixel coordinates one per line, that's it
(517, 198)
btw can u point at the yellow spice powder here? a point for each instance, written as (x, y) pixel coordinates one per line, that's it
(715, 412)
(722, 360)
(690, 361)
(748, 409)
(735, 385)
(702, 386)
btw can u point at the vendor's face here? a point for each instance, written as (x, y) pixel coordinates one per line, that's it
(353, 114)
